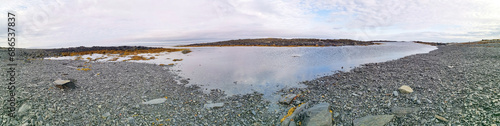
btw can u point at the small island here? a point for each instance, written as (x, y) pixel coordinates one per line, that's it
(279, 42)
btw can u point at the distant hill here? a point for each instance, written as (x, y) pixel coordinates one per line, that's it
(279, 42)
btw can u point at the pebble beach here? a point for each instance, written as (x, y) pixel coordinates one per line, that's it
(457, 84)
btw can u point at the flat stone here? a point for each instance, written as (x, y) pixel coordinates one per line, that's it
(61, 82)
(155, 101)
(318, 115)
(401, 111)
(405, 89)
(441, 118)
(24, 108)
(373, 120)
(64, 84)
(105, 115)
(213, 105)
(287, 99)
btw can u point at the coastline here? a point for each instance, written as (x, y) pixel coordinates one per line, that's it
(445, 81)
(280, 42)
(458, 82)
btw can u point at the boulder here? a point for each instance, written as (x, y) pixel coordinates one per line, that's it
(318, 115)
(373, 120)
(405, 89)
(64, 84)
(287, 99)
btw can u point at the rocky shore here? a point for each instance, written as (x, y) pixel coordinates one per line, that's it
(457, 84)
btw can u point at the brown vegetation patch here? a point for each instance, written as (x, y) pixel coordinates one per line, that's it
(138, 58)
(121, 52)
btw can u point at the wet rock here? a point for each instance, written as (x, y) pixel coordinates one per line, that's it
(293, 113)
(287, 99)
(64, 84)
(441, 118)
(401, 111)
(405, 89)
(186, 51)
(105, 115)
(318, 115)
(370, 120)
(155, 101)
(213, 105)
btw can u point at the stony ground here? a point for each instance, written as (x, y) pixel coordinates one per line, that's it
(457, 82)
(111, 94)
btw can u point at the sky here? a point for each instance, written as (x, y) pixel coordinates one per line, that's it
(65, 23)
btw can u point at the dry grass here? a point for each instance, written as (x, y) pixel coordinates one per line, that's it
(122, 52)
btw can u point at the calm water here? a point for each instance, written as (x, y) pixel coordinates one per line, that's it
(241, 70)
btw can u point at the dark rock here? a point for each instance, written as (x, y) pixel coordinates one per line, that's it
(186, 51)
(296, 112)
(318, 115)
(287, 99)
(64, 84)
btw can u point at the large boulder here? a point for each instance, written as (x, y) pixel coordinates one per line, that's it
(318, 115)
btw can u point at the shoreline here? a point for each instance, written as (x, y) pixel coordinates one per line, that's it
(111, 93)
(456, 82)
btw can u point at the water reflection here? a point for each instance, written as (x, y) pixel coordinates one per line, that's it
(241, 70)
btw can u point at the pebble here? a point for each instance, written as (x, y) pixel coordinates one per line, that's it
(106, 114)
(429, 101)
(395, 93)
(441, 118)
(213, 105)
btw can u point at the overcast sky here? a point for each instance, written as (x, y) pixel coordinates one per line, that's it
(61, 23)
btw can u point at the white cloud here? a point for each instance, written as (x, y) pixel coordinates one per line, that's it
(58, 23)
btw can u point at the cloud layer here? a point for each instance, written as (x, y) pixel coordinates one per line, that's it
(57, 23)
